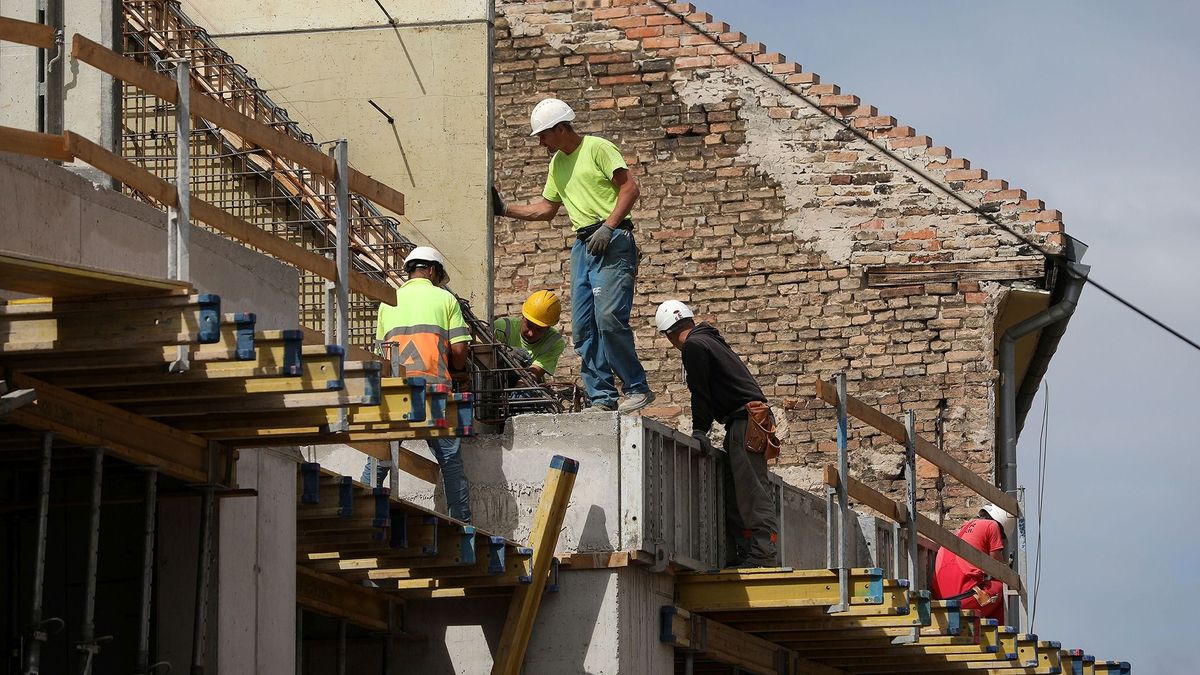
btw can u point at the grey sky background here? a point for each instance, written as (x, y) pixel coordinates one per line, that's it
(1090, 106)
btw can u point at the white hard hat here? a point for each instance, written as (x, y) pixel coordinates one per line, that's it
(429, 254)
(1001, 516)
(670, 313)
(547, 113)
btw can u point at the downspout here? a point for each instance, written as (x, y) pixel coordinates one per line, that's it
(1076, 276)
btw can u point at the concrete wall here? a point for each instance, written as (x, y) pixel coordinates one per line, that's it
(18, 72)
(255, 571)
(600, 622)
(52, 213)
(430, 71)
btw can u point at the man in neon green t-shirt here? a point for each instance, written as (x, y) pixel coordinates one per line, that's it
(589, 176)
(532, 335)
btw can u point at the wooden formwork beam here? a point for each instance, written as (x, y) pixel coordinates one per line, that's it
(124, 435)
(543, 538)
(712, 640)
(328, 595)
(41, 277)
(41, 325)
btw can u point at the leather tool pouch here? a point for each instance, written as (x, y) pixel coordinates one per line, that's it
(760, 430)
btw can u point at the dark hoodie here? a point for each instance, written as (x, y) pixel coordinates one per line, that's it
(719, 381)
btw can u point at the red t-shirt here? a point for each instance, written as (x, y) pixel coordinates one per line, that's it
(952, 575)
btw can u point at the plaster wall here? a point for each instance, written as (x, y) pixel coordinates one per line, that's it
(430, 71)
(18, 72)
(55, 214)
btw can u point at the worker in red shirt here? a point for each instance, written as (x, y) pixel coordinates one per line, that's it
(957, 579)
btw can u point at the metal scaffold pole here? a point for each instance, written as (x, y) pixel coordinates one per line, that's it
(843, 497)
(37, 633)
(342, 258)
(203, 572)
(88, 644)
(143, 666)
(179, 218)
(910, 473)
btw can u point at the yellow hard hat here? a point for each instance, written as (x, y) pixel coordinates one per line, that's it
(542, 308)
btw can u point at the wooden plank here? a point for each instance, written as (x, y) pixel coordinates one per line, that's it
(962, 549)
(410, 462)
(983, 270)
(11, 400)
(116, 166)
(543, 538)
(340, 599)
(162, 191)
(26, 33)
(856, 408)
(380, 193)
(38, 276)
(127, 70)
(124, 435)
(314, 337)
(865, 494)
(716, 641)
(46, 146)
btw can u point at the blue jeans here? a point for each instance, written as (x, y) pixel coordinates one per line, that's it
(601, 299)
(454, 477)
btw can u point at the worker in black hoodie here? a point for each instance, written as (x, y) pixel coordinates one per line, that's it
(724, 390)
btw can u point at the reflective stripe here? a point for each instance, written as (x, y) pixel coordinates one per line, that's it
(459, 332)
(419, 328)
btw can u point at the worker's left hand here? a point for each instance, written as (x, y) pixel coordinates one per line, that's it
(598, 242)
(705, 444)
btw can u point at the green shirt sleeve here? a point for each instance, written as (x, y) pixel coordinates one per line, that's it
(547, 359)
(550, 192)
(455, 325)
(607, 157)
(380, 329)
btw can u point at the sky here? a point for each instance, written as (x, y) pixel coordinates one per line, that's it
(1090, 106)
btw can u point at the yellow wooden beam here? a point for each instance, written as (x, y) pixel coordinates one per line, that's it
(40, 325)
(38, 276)
(124, 435)
(543, 538)
(340, 599)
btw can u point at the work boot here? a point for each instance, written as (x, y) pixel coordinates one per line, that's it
(606, 406)
(637, 401)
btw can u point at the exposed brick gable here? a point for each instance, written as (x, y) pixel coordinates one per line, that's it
(764, 215)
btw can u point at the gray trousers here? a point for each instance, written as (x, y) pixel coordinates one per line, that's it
(751, 527)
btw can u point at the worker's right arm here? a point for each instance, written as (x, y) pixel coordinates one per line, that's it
(696, 364)
(543, 209)
(459, 351)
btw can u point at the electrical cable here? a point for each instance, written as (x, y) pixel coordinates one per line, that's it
(936, 183)
(1043, 453)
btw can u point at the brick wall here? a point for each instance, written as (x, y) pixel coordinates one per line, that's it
(763, 214)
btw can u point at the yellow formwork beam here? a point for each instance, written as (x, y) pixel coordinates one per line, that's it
(44, 325)
(765, 589)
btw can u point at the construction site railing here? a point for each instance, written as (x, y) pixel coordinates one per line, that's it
(844, 487)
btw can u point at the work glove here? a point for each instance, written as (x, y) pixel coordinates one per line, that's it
(598, 242)
(705, 444)
(498, 206)
(523, 357)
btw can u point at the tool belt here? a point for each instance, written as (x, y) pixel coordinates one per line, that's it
(761, 438)
(582, 234)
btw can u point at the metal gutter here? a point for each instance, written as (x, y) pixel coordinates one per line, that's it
(1053, 321)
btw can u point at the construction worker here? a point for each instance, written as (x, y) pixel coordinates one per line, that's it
(589, 175)
(533, 336)
(723, 390)
(957, 579)
(426, 327)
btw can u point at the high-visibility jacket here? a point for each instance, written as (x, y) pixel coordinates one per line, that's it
(422, 325)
